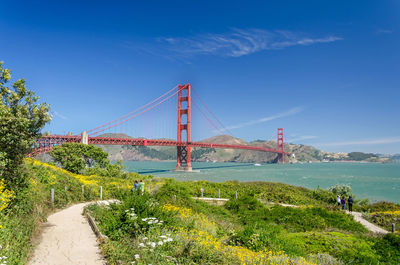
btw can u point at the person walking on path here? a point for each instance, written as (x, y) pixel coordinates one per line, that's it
(338, 200)
(343, 202)
(350, 201)
(141, 186)
(136, 185)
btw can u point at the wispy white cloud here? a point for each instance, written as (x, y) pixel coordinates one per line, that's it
(301, 138)
(389, 140)
(384, 31)
(240, 42)
(58, 115)
(290, 112)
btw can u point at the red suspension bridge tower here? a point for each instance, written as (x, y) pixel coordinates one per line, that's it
(281, 157)
(184, 115)
(183, 142)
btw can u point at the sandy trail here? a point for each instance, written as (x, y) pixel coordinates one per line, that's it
(357, 217)
(371, 227)
(67, 239)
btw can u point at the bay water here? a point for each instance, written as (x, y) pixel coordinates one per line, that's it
(374, 181)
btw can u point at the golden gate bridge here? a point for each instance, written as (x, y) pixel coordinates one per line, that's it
(112, 133)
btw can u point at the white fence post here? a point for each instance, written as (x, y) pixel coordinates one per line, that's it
(101, 192)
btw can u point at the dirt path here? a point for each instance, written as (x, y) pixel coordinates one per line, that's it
(67, 239)
(371, 227)
(357, 217)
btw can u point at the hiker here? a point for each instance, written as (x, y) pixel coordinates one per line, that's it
(350, 201)
(338, 200)
(135, 186)
(343, 202)
(141, 186)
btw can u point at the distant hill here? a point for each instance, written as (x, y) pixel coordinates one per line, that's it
(303, 153)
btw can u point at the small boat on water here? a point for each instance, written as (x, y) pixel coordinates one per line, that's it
(257, 165)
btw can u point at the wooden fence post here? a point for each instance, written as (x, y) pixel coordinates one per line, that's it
(52, 196)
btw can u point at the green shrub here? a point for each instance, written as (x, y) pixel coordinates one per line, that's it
(388, 248)
(347, 248)
(382, 206)
(251, 210)
(341, 189)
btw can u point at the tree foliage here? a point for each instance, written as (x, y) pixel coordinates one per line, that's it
(359, 156)
(341, 189)
(75, 157)
(21, 120)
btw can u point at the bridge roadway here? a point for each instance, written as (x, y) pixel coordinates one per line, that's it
(47, 142)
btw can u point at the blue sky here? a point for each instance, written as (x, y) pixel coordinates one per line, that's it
(327, 72)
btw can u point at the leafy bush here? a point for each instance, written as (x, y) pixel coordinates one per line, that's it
(32, 204)
(74, 157)
(251, 210)
(341, 189)
(388, 248)
(347, 248)
(382, 206)
(21, 120)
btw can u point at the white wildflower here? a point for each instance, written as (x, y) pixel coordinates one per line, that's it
(160, 243)
(137, 256)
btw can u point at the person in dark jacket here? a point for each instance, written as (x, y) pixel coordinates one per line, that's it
(135, 186)
(343, 202)
(350, 201)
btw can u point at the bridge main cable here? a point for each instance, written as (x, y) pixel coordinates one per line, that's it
(169, 91)
(165, 99)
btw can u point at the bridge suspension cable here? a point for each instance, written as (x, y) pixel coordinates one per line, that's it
(138, 114)
(215, 117)
(205, 116)
(144, 106)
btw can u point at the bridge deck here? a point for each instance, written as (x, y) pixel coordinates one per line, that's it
(47, 142)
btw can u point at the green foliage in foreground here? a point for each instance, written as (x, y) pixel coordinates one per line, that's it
(200, 233)
(74, 157)
(292, 219)
(381, 207)
(21, 120)
(383, 214)
(267, 191)
(244, 223)
(32, 205)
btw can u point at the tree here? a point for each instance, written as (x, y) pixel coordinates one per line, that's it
(21, 121)
(75, 157)
(340, 189)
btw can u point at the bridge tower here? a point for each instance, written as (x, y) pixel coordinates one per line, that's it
(281, 156)
(184, 114)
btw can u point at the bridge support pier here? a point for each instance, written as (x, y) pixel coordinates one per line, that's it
(183, 162)
(85, 138)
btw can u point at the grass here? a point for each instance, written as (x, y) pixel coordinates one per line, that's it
(20, 220)
(156, 228)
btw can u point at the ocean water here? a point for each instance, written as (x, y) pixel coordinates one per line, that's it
(368, 180)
